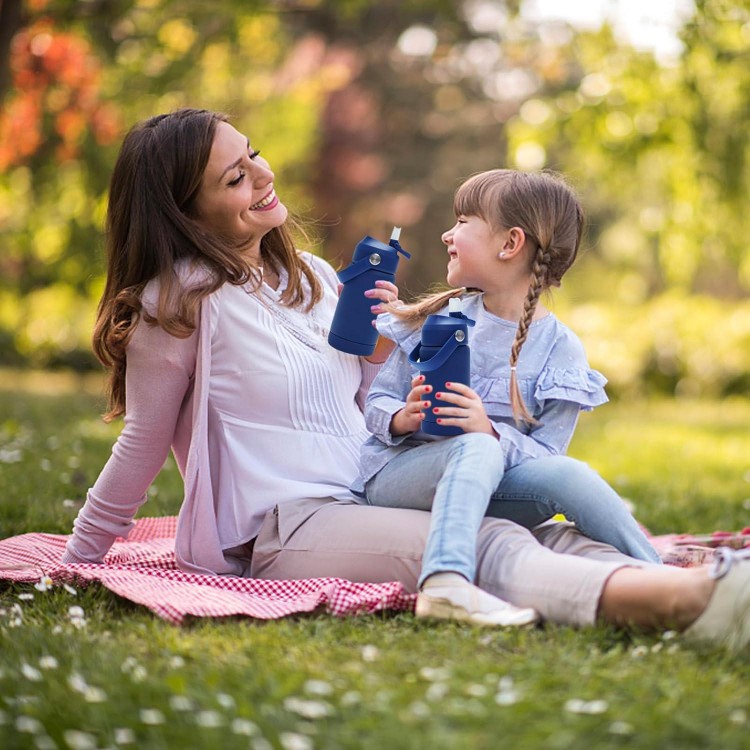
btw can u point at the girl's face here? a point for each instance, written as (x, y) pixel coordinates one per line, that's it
(236, 199)
(472, 249)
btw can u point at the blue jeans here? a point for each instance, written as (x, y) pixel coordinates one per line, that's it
(462, 479)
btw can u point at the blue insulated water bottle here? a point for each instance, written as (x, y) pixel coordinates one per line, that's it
(352, 330)
(442, 356)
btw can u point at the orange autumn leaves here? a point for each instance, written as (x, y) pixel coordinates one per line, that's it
(55, 97)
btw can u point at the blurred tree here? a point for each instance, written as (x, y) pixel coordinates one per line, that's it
(660, 154)
(432, 86)
(11, 19)
(79, 71)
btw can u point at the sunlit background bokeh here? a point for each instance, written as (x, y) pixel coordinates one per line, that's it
(371, 113)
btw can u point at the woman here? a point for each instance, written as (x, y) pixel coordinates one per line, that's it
(214, 329)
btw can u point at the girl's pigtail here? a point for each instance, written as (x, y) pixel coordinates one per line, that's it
(427, 305)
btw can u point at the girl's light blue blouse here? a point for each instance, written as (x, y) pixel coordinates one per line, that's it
(553, 373)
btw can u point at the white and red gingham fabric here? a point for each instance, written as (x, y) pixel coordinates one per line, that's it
(143, 570)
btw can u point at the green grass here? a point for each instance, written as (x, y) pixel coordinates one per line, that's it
(367, 682)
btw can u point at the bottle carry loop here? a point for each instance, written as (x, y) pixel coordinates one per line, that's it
(359, 267)
(437, 360)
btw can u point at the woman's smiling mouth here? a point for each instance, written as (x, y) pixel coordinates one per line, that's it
(268, 202)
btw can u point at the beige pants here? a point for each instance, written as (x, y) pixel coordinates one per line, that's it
(554, 568)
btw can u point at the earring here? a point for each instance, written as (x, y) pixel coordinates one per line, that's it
(501, 255)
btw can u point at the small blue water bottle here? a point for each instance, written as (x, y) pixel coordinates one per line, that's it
(443, 356)
(352, 330)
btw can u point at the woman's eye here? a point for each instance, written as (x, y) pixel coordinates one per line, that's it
(236, 181)
(255, 153)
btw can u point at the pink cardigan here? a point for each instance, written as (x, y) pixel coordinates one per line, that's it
(167, 406)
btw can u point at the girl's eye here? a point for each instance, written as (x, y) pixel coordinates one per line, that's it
(255, 153)
(236, 181)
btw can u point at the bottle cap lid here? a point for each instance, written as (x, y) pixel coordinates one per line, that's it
(454, 305)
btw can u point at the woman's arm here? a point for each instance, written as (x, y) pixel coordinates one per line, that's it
(159, 375)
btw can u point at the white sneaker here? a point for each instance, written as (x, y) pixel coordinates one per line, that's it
(726, 619)
(457, 599)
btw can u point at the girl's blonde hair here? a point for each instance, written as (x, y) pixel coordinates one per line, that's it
(548, 211)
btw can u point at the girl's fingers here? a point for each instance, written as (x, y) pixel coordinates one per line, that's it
(453, 398)
(418, 392)
(452, 422)
(449, 411)
(464, 390)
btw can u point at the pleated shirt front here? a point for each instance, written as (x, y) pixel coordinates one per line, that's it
(278, 396)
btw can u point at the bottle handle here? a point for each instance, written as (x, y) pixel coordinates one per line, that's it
(436, 361)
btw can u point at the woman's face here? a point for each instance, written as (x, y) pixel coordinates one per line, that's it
(236, 199)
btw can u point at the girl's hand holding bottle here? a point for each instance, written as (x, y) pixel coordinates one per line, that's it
(468, 413)
(409, 419)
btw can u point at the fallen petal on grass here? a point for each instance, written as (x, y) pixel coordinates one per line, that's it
(77, 740)
(32, 674)
(308, 709)
(621, 728)
(294, 741)
(244, 727)
(209, 719)
(29, 725)
(578, 706)
(48, 662)
(151, 716)
(180, 703)
(317, 687)
(124, 736)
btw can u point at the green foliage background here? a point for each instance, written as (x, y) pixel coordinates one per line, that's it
(365, 129)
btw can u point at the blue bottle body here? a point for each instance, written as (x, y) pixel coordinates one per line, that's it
(352, 330)
(443, 356)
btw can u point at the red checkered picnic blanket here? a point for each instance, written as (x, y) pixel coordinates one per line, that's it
(143, 570)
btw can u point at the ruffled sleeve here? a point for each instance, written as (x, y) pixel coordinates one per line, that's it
(578, 385)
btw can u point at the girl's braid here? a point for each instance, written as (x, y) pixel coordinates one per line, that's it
(536, 287)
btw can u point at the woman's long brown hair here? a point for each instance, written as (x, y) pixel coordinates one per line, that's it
(151, 230)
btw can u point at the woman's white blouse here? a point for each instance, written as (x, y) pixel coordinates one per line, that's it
(279, 395)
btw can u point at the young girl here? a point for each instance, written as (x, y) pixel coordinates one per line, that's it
(516, 235)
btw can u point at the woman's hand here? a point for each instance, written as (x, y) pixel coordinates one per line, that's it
(386, 292)
(409, 419)
(467, 413)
